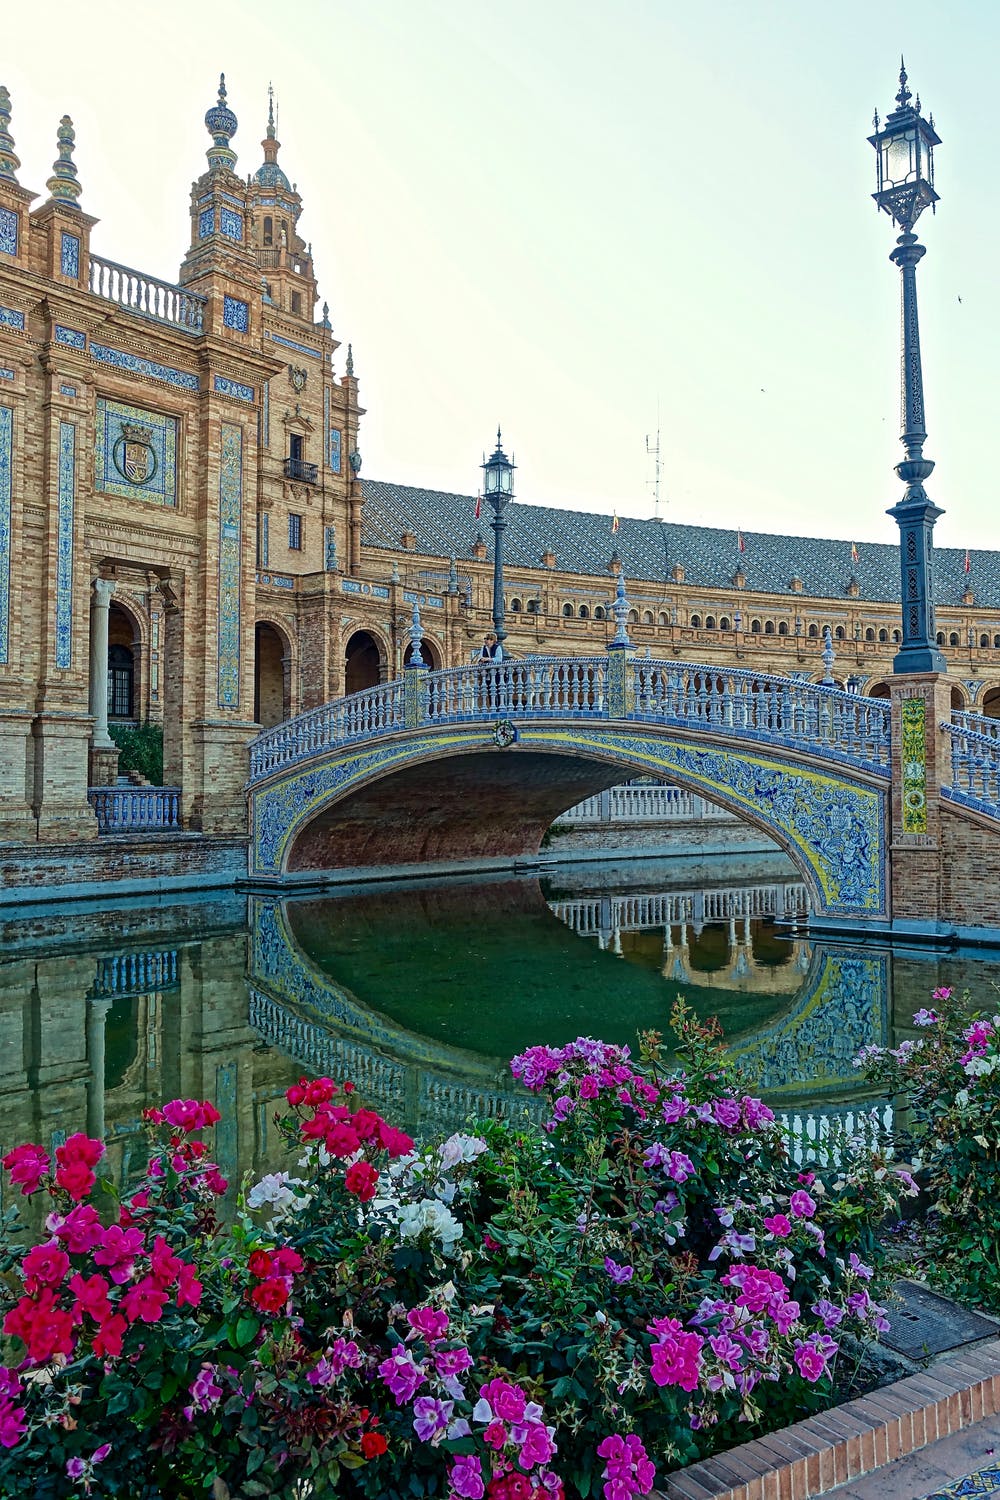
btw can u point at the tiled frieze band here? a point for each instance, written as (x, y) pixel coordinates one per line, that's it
(276, 338)
(11, 318)
(64, 544)
(233, 388)
(72, 337)
(122, 360)
(230, 528)
(6, 497)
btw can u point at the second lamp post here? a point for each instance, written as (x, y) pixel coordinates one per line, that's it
(498, 489)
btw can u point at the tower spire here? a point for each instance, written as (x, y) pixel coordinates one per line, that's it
(9, 162)
(63, 183)
(222, 125)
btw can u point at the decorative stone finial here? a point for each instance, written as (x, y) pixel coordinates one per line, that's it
(394, 575)
(452, 575)
(9, 162)
(416, 639)
(63, 184)
(350, 360)
(270, 112)
(828, 657)
(221, 124)
(326, 314)
(620, 610)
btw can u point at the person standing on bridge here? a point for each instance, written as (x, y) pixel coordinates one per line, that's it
(491, 649)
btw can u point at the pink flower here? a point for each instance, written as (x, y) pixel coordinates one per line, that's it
(164, 1266)
(118, 1250)
(945, 993)
(505, 1400)
(144, 1302)
(107, 1341)
(44, 1265)
(779, 1226)
(676, 1355)
(91, 1293)
(429, 1321)
(802, 1205)
(680, 1167)
(628, 1470)
(189, 1115)
(80, 1230)
(812, 1357)
(466, 1478)
(535, 1444)
(403, 1376)
(727, 1113)
(27, 1165)
(189, 1288)
(431, 1418)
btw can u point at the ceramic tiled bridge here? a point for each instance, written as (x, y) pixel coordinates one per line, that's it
(475, 762)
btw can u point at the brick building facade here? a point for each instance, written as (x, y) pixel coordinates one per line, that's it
(185, 536)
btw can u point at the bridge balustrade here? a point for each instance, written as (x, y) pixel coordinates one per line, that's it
(361, 716)
(540, 685)
(975, 762)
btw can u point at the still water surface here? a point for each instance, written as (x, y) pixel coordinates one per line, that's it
(421, 993)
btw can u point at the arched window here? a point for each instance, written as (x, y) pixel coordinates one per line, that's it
(515, 606)
(897, 636)
(813, 632)
(953, 638)
(696, 622)
(869, 634)
(996, 642)
(599, 613)
(768, 627)
(121, 676)
(647, 617)
(532, 606)
(567, 609)
(984, 639)
(755, 627)
(663, 618)
(782, 627)
(709, 622)
(883, 636)
(633, 617)
(584, 612)
(724, 623)
(268, 230)
(939, 638)
(839, 633)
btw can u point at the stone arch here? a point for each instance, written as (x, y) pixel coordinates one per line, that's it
(584, 612)
(990, 704)
(127, 686)
(431, 652)
(272, 673)
(647, 617)
(366, 661)
(959, 697)
(725, 623)
(877, 690)
(813, 632)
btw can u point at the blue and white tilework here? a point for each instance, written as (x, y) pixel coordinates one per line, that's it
(291, 344)
(236, 314)
(161, 486)
(231, 224)
(206, 223)
(372, 590)
(8, 231)
(230, 528)
(233, 388)
(69, 257)
(70, 336)
(265, 539)
(67, 390)
(6, 373)
(330, 549)
(228, 198)
(265, 416)
(6, 493)
(124, 361)
(64, 544)
(11, 318)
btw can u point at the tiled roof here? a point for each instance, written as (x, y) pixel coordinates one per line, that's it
(444, 523)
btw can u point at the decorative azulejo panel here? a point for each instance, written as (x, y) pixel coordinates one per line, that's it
(6, 373)
(291, 344)
(265, 415)
(206, 223)
(914, 766)
(233, 388)
(6, 495)
(68, 390)
(335, 444)
(70, 336)
(8, 231)
(69, 256)
(230, 545)
(135, 453)
(64, 544)
(122, 360)
(11, 318)
(236, 314)
(231, 224)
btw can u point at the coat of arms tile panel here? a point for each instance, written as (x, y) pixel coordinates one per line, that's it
(135, 453)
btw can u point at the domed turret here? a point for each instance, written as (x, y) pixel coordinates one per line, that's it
(269, 174)
(222, 125)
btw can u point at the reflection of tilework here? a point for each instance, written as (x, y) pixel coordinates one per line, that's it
(233, 388)
(161, 487)
(123, 361)
(914, 766)
(230, 526)
(6, 492)
(64, 545)
(291, 344)
(231, 224)
(206, 223)
(335, 437)
(11, 317)
(69, 259)
(236, 314)
(71, 336)
(976, 1486)
(8, 232)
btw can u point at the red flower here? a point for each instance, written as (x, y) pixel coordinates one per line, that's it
(80, 1148)
(296, 1094)
(27, 1164)
(361, 1179)
(396, 1142)
(91, 1293)
(44, 1328)
(270, 1295)
(287, 1262)
(366, 1122)
(81, 1229)
(44, 1265)
(118, 1250)
(341, 1140)
(319, 1091)
(260, 1263)
(75, 1178)
(144, 1302)
(107, 1341)
(372, 1444)
(189, 1288)
(164, 1266)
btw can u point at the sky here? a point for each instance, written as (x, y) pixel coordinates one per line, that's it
(588, 221)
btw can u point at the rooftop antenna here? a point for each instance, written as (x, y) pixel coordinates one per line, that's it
(654, 449)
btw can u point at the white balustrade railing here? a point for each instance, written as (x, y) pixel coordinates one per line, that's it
(645, 804)
(147, 295)
(975, 761)
(757, 705)
(135, 973)
(590, 915)
(824, 1135)
(136, 809)
(734, 704)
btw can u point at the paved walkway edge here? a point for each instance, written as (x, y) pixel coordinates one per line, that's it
(847, 1441)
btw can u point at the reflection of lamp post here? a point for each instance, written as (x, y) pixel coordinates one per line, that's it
(905, 151)
(498, 489)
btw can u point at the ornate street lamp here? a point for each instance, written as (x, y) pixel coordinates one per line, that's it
(904, 148)
(498, 489)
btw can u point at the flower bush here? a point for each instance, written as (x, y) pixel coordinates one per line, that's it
(519, 1313)
(950, 1080)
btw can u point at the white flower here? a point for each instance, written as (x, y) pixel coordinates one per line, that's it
(277, 1190)
(962, 1098)
(980, 1067)
(429, 1214)
(459, 1148)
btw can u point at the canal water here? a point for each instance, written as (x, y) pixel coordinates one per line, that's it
(421, 992)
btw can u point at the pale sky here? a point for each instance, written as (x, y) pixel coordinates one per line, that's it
(564, 215)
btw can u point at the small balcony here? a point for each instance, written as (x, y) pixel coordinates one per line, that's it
(297, 468)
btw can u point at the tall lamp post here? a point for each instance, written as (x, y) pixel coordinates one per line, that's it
(904, 148)
(498, 489)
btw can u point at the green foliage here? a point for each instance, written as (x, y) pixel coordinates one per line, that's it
(141, 749)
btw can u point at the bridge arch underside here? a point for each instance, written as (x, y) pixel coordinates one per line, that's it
(447, 794)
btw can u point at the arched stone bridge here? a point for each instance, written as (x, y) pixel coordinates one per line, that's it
(476, 762)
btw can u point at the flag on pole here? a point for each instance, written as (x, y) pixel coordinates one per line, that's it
(854, 552)
(479, 505)
(968, 562)
(741, 541)
(614, 523)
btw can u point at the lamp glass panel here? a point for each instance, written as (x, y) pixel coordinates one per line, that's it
(505, 479)
(899, 159)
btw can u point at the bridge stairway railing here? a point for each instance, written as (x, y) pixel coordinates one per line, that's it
(736, 704)
(975, 762)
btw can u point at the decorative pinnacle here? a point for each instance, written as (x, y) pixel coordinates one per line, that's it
(63, 184)
(416, 639)
(620, 609)
(350, 360)
(828, 657)
(270, 111)
(326, 314)
(9, 162)
(221, 124)
(903, 97)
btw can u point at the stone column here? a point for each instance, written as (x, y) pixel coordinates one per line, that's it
(103, 589)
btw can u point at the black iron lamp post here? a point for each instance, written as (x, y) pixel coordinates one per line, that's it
(498, 489)
(904, 147)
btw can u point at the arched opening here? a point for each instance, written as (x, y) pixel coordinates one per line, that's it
(696, 622)
(271, 695)
(584, 612)
(362, 663)
(515, 606)
(953, 638)
(958, 698)
(883, 636)
(782, 627)
(567, 610)
(724, 623)
(709, 622)
(124, 657)
(599, 612)
(647, 617)
(663, 618)
(939, 638)
(755, 627)
(984, 639)
(838, 634)
(633, 617)
(430, 653)
(897, 636)
(879, 690)
(768, 627)
(268, 230)
(813, 632)
(869, 634)
(990, 707)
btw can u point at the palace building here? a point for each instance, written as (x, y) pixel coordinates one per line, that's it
(185, 536)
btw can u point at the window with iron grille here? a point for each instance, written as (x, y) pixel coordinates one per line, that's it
(295, 532)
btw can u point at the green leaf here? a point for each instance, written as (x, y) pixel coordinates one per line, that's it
(245, 1332)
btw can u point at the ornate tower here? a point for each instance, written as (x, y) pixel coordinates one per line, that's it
(289, 281)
